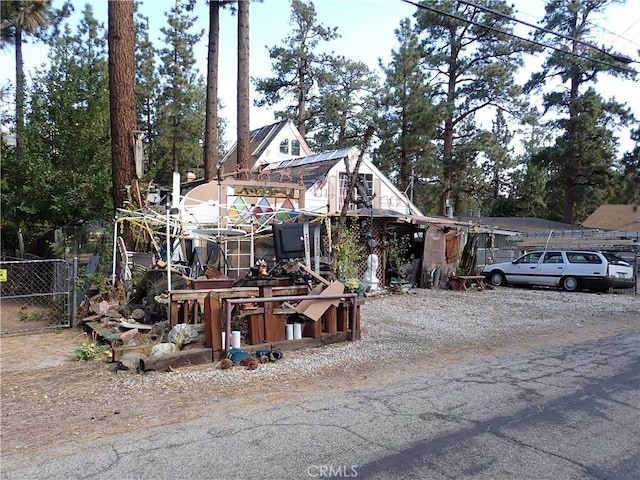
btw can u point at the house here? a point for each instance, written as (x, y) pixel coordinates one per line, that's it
(625, 218)
(284, 183)
(268, 145)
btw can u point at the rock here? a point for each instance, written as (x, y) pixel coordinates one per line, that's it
(131, 360)
(161, 348)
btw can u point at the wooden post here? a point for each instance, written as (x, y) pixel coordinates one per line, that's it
(212, 323)
(343, 316)
(256, 329)
(331, 320)
(313, 329)
(173, 312)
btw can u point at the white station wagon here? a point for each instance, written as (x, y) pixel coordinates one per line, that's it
(570, 270)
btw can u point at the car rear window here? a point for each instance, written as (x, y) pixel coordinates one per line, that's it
(616, 260)
(583, 257)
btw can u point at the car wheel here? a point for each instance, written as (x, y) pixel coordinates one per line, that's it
(570, 284)
(497, 278)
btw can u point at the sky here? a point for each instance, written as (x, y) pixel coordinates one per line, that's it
(367, 34)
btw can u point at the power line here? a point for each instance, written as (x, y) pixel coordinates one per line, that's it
(620, 36)
(619, 58)
(533, 42)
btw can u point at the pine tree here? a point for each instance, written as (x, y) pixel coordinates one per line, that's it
(181, 109)
(344, 105)
(122, 97)
(147, 83)
(243, 105)
(473, 61)
(407, 119)
(496, 166)
(627, 182)
(296, 66)
(582, 155)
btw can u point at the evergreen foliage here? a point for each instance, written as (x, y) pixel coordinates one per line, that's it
(407, 120)
(424, 105)
(581, 160)
(342, 110)
(296, 66)
(65, 174)
(472, 65)
(181, 101)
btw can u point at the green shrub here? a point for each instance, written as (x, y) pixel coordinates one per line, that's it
(90, 351)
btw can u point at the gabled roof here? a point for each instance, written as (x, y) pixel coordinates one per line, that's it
(259, 140)
(615, 217)
(311, 169)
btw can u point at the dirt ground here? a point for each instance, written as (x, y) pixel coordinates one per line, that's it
(51, 403)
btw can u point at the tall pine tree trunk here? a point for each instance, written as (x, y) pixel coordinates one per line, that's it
(19, 96)
(211, 119)
(302, 106)
(243, 153)
(122, 96)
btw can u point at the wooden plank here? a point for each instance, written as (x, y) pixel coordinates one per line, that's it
(336, 337)
(106, 333)
(192, 356)
(342, 322)
(313, 274)
(312, 329)
(286, 345)
(292, 290)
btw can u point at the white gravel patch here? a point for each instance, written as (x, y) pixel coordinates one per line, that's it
(400, 324)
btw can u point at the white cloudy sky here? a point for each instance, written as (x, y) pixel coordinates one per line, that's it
(367, 33)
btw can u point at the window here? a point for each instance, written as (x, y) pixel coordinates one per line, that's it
(366, 181)
(553, 257)
(583, 257)
(530, 258)
(616, 260)
(295, 148)
(284, 146)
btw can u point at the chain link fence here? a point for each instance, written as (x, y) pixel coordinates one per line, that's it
(35, 294)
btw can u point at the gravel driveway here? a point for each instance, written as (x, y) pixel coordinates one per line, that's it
(89, 401)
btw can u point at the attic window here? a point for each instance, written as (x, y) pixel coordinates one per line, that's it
(284, 146)
(295, 148)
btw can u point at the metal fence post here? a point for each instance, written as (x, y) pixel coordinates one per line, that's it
(73, 320)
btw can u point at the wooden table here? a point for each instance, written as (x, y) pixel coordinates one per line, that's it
(213, 307)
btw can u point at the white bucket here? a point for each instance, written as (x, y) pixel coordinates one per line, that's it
(289, 330)
(235, 338)
(297, 331)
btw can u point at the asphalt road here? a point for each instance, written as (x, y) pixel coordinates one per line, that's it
(571, 412)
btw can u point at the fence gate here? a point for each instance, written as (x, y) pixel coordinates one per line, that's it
(34, 295)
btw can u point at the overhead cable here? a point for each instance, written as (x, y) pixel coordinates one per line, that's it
(618, 58)
(533, 42)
